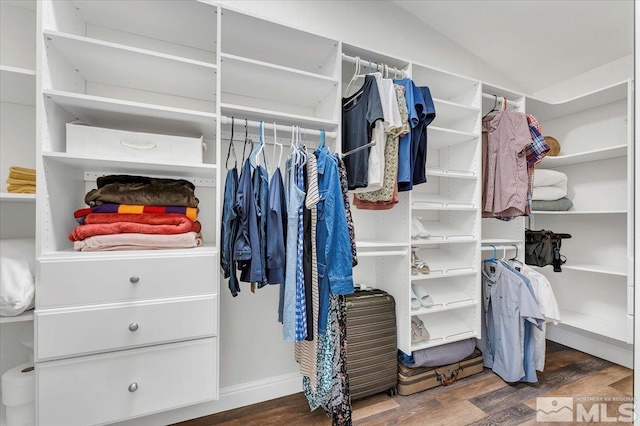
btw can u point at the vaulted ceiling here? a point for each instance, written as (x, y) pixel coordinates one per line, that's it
(537, 43)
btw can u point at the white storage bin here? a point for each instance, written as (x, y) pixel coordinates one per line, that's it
(109, 143)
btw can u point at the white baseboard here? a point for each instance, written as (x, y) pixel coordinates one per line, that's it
(592, 345)
(231, 397)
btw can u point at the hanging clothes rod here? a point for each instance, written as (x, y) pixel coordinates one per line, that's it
(375, 66)
(240, 122)
(500, 99)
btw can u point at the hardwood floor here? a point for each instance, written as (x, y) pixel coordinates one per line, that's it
(482, 399)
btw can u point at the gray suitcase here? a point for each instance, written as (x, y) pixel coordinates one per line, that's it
(371, 343)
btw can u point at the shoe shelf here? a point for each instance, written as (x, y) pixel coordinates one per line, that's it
(447, 294)
(443, 263)
(439, 202)
(447, 327)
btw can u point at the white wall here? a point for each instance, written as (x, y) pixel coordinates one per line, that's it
(597, 78)
(380, 26)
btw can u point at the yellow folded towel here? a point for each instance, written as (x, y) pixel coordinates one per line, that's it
(22, 189)
(22, 173)
(12, 181)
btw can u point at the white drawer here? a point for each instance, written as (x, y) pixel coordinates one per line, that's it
(104, 280)
(69, 332)
(98, 389)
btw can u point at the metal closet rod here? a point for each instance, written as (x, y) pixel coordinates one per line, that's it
(240, 122)
(352, 60)
(493, 97)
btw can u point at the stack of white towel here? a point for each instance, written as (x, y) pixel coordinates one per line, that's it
(550, 191)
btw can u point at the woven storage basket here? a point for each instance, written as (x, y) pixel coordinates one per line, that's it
(554, 146)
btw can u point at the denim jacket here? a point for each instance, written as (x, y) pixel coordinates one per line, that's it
(246, 249)
(335, 271)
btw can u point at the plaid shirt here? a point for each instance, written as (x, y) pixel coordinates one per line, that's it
(535, 153)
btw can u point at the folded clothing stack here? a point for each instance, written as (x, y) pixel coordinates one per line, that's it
(138, 213)
(21, 180)
(550, 191)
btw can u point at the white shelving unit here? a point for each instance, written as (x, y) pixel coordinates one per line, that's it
(600, 171)
(138, 67)
(447, 206)
(17, 148)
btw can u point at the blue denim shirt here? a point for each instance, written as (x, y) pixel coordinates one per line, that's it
(276, 230)
(261, 195)
(335, 270)
(246, 250)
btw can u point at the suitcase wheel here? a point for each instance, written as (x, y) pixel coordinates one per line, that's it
(392, 392)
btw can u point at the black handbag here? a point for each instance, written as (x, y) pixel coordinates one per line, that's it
(542, 248)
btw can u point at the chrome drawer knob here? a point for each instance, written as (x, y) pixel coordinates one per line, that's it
(134, 279)
(133, 387)
(133, 326)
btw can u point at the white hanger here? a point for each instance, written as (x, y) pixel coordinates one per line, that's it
(354, 78)
(276, 145)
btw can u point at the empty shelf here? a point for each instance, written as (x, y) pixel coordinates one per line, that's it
(573, 212)
(17, 85)
(594, 267)
(594, 325)
(88, 164)
(434, 240)
(126, 115)
(120, 65)
(258, 114)
(440, 137)
(583, 157)
(247, 77)
(456, 174)
(8, 197)
(438, 202)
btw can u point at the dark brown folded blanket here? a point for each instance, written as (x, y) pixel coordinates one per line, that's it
(142, 190)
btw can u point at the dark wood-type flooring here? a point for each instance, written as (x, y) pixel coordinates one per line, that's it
(482, 399)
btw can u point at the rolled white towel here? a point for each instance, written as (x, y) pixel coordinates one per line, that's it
(546, 177)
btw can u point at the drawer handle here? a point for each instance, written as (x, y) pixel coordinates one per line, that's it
(133, 387)
(134, 279)
(133, 326)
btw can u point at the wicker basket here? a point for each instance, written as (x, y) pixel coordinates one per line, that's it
(553, 144)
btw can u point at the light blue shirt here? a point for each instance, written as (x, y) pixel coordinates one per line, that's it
(508, 305)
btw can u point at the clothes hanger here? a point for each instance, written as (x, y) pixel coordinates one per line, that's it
(232, 148)
(504, 103)
(355, 77)
(302, 148)
(257, 149)
(246, 140)
(493, 259)
(321, 139)
(495, 105)
(276, 145)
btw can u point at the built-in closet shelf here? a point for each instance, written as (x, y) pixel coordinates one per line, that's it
(8, 197)
(441, 305)
(206, 249)
(127, 115)
(501, 241)
(258, 114)
(442, 264)
(547, 112)
(442, 232)
(447, 86)
(381, 248)
(100, 165)
(25, 316)
(17, 85)
(455, 174)
(453, 111)
(277, 44)
(436, 274)
(438, 202)
(440, 137)
(594, 325)
(257, 79)
(574, 212)
(592, 267)
(583, 157)
(125, 66)
(440, 240)
(446, 330)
